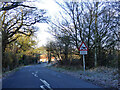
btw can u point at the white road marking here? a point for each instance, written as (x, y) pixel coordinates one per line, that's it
(48, 85)
(42, 87)
(35, 75)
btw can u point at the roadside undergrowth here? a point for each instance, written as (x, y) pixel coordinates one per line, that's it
(103, 76)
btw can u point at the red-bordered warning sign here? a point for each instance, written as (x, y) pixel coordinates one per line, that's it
(83, 47)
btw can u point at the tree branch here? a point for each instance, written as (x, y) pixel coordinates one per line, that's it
(14, 5)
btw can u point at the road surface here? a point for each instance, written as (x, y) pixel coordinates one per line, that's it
(38, 76)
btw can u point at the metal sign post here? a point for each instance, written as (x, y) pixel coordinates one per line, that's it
(83, 50)
(83, 63)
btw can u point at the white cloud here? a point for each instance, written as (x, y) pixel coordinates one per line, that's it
(42, 36)
(52, 9)
(49, 5)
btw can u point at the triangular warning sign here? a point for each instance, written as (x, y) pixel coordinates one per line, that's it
(83, 47)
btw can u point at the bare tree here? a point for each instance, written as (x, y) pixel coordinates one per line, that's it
(11, 5)
(22, 22)
(95, 23)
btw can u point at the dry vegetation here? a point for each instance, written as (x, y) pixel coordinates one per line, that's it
(103, 76)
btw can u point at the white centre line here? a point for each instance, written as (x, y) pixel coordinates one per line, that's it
(42, 87)
(35, 75)
(48, 85)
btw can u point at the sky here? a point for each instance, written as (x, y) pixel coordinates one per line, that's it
(52, 8)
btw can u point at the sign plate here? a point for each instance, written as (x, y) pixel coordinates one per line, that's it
(83, 48)
(83, 52)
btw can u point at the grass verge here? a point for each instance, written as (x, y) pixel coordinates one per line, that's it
(8, 73)
(102, 76)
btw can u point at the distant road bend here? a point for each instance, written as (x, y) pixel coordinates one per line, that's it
(38, 76)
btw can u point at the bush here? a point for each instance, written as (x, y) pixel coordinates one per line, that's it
(10, 61)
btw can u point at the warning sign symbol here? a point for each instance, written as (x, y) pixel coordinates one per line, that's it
(83, 47)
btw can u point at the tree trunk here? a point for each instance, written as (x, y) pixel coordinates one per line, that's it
(66, 54)
(49, 56)
(96, 6)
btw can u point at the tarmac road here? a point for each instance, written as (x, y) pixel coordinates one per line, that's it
(38, 76)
